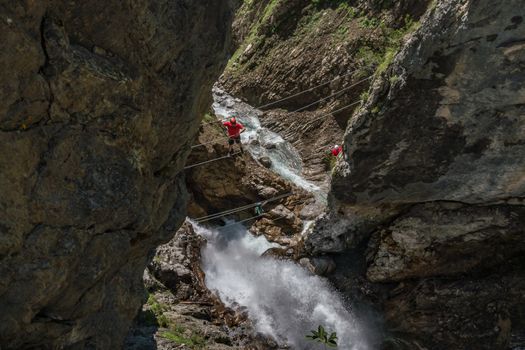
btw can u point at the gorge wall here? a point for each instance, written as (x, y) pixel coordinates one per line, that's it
(100, 103)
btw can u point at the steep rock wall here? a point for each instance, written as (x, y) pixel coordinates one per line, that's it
(435, 179)
(323, 49)
(100, 102)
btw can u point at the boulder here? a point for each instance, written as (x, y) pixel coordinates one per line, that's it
(320, 265)
(265, 161)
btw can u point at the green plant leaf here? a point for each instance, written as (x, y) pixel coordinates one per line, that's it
(322, 333)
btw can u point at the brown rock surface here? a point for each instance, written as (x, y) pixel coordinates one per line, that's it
(233, 182)
(99, 105)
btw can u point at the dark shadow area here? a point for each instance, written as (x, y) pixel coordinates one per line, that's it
(141, 335)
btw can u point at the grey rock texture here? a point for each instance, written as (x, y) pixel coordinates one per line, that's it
(443, 239)
(99, 105)
(434, 180)
(450, 118)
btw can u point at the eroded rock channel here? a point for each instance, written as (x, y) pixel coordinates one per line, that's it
(113, 164)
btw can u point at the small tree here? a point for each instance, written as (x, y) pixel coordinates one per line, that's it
(321, 336)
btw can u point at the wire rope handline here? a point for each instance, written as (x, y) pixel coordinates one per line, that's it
(306, 125)
(210, 160)
(295, 111)
(310, 89)
(225, 137)
(235, 210)
(224, 213)
(231, 211)
(307, 90)
(332, 112)
(332, 95)
(252, 218)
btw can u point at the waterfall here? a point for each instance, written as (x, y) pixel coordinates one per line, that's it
(282, 299)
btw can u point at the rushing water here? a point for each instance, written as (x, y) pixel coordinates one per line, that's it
(282, 299)
(260, 141)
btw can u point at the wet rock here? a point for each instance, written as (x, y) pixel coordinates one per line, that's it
(269, 145)
(311, 211)
(279, 253)
(231, 183)
(267, 192)
(321, 266)
(176, 264)
(150, 282)
(265, 161)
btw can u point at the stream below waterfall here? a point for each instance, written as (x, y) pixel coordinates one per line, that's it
(282, 299)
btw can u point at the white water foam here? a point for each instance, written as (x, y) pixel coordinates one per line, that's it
(282, 299)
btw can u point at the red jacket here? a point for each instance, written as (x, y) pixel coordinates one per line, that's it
(234, 130)
(336, 151)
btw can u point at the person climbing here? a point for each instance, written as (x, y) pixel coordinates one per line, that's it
(258, 209)
(234, 129)
(336, 150)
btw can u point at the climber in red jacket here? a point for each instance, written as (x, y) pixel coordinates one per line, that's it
(336, 150)
(235, 129)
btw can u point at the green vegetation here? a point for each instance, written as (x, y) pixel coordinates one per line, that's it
(375, 50)
(351, 12)
(393, 41)
(369, 56)
(369, 22)
(331, 3)
(155, 316)
(321, 336)
(254, 37)
(364, 96)
(178, 335)
(209, 118)
(393, 79)
(308, 23)
(157, 310)
(329, 162)
(382, 56)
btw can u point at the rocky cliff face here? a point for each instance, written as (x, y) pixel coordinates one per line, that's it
(100, 103)
(435, 176)
(324, 49)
